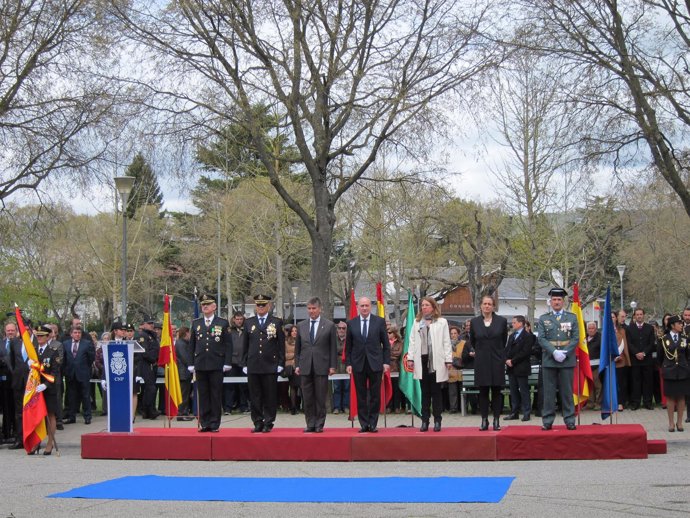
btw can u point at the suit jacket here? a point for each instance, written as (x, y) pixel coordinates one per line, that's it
(264, 347)
(19, 367)
(183, 352)
(375, 347)
(519, 351)
(594, 346)
(5, 367)
(641, 341)
(489, 345)
(552, 331)
(320, 355)
(211, 345)
(79, 367)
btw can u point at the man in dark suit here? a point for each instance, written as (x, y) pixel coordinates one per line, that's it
(518, 368)
(594, 350)
(264, 358)
(641, 344)
(210, 341)
(367, 356)
(315, 360)
(6, 393)
(79, 355)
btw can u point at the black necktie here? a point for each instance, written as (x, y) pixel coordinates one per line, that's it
(312, 331)
(364, 329)
(40, 351)
(262, 321)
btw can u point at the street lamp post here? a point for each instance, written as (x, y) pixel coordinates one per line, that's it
(621, 271)
(295, 290)
(124, 185)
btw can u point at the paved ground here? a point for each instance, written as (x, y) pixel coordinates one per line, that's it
(658, 486)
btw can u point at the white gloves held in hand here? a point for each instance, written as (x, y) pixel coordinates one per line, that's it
(226, 368)
(559, 356)
(41, 387)
(191, 369)
(138, 379)
(279, 369)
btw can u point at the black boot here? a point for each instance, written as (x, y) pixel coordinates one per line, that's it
(437, 425)
(497, 424)
(424, 427)
(485, 424)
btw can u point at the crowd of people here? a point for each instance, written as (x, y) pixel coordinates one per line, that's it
(652, 367)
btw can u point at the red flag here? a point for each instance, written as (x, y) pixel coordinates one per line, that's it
(386, 391)
(34, 406)
(380, 301)
(583, 382)
(352, 313)
(168, 359)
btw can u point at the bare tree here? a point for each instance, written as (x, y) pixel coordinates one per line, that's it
(631, 62)
(50, 98)
(345, 78)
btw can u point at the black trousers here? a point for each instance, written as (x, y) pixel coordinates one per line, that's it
(368, 390)
(641, 380)
(210, 389)
(186, 389)
(79, 393)
(432, 393)
(519, 395)
(496, 401)
(623, 381)
(263, 396)
(7, 408)
(314, 396)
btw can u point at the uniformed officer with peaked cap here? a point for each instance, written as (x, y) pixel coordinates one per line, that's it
(558, 336)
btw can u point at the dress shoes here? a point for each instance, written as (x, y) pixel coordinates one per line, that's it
(424, 427)
(16, 446)
(687, 419)
(525, 418)
(70, 420)
(485, 425)
(496, 425)
(318, 429)
(203, 429)
(259, 427)
(511, 417)
(185, 418)
(373, 430)
(60, 426)
(213, 430)
(649, 406)
(267, 428)
(571, 426)
(546, 427)
(309, 429)
(363, 429)
(437, 426)
(87, 420)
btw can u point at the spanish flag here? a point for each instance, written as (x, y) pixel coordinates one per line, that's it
(583, 382)
(168, 359)
(34, 407)
(380, 301)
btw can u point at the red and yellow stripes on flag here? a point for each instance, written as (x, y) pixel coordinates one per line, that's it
(34, 407)
(583, 382)
(168, 359)
(380, 301)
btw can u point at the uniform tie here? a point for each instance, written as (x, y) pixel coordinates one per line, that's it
(262, 321)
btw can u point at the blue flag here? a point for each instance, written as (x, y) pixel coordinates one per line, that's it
(607, 368)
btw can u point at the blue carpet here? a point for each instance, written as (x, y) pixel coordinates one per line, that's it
(358, 490)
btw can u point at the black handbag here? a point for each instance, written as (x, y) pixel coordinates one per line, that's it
(457, 363)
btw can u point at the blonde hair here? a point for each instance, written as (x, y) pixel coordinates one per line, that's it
(437, 310)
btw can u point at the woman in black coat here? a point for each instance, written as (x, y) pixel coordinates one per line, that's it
(673, 354)
(488, 337)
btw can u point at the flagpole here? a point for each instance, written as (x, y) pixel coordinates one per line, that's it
(579, 392)
(609, 374)
(385, 404)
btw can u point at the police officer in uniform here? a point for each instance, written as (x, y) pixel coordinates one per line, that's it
(264, 359)
(558, 337)
(146, 368)
(212, 347)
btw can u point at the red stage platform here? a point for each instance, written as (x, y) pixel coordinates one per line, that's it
(392, 444)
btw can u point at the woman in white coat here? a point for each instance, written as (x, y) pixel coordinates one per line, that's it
(429, 355)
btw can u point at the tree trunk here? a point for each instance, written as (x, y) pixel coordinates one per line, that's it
(321, 245)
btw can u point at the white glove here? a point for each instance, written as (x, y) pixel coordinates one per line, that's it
(41, 387)
(559, 356)
(138, 379)
(244, 369)
(104, 385)
(30, 362)
(191, 369)
(279, 369)
(226, 368)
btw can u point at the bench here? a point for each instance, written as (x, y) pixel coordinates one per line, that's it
(468, 386)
